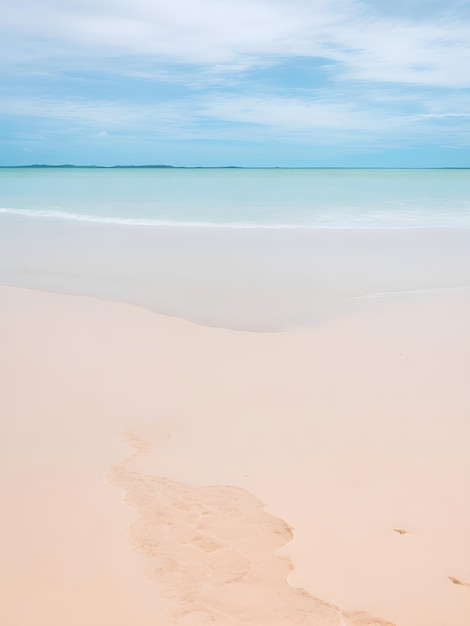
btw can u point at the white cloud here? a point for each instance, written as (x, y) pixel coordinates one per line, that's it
(289, 114)
(367, 45)
(254, 117)
(75, 117)
(392, 76)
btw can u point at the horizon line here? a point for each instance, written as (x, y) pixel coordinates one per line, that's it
(241, 167)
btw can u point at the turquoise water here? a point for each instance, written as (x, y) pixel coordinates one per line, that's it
(242, 198)
(251, 249)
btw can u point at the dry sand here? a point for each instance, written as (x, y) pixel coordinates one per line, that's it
(316, 476)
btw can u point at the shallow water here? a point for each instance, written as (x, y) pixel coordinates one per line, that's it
(237, 198)
(253, 249)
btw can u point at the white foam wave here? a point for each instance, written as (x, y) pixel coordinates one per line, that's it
(141, 221)
(359, 221)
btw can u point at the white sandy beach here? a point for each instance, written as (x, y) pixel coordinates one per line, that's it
(235, 313)
(253, 465)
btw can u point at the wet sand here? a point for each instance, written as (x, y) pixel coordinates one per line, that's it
(313, 476)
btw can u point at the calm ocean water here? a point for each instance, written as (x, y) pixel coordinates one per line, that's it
(253, 249)
(242, 198)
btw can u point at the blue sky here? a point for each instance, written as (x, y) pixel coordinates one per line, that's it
(235, 82)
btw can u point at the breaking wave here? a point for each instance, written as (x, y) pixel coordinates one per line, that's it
(325, 220)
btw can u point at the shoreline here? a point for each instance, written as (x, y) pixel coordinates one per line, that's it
(348, 431)
(247, 280)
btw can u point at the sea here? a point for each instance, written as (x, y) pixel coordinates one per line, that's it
(252, 249)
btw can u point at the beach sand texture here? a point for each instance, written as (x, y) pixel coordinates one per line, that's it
(313, 476)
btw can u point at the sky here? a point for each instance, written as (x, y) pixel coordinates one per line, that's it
(254, 83)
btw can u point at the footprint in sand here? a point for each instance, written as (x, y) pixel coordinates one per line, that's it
(456, 581)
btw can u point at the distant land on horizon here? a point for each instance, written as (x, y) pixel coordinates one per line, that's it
(226, 167)
(68, 165)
